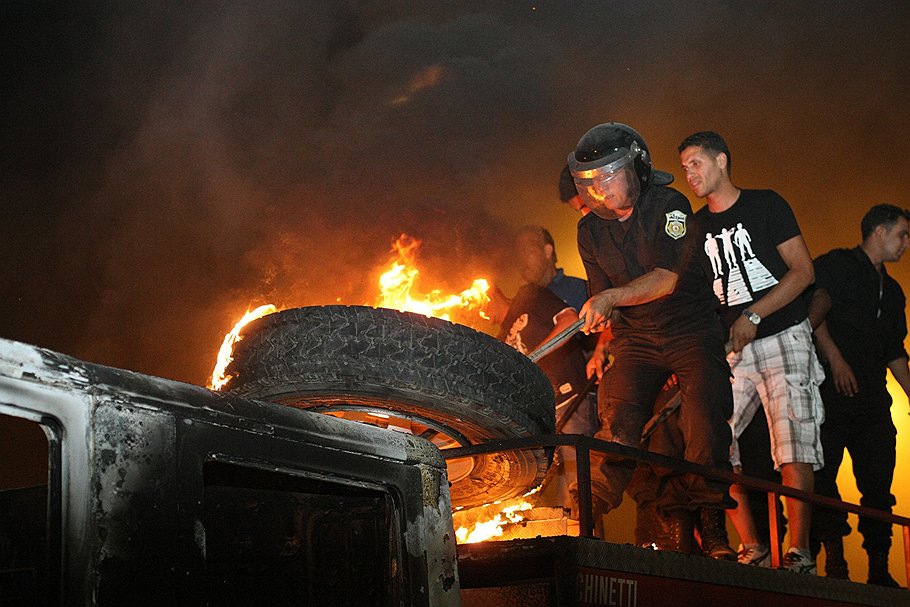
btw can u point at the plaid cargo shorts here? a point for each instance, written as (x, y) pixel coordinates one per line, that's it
(782, 372)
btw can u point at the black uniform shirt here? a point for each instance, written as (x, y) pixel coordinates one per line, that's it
(656, 235)
(868, 329)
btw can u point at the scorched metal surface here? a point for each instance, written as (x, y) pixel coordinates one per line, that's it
(163, 493)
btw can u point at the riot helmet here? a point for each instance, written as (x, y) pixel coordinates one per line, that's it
(611, 166)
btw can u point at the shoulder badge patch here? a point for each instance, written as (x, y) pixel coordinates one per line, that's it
(676, 225)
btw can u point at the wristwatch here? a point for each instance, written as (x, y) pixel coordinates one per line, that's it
(752, 316)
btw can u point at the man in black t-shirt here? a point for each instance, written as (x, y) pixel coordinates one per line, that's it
(534, 314)
(759, 268)
(641, 271)
(544, 306)
(858, 311)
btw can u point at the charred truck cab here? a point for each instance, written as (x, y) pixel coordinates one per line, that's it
(129, 489)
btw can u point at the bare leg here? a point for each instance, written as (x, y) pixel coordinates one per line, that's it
(799, 476)
(741, 516)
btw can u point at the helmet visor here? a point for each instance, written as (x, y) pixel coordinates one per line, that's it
(609, 193)
(600, 166)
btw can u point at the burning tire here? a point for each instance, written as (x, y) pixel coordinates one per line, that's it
(445, 382)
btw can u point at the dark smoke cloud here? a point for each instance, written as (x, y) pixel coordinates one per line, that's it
(167, 166)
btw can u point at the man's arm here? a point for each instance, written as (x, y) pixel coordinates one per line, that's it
(562, 321)
(648, 287)
(600, 357)
(819, 306)
(900, 369)
(843, 377)
(800, 274)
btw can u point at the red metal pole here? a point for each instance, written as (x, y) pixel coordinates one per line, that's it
(774, 540)
(906, 530)
(583, 474)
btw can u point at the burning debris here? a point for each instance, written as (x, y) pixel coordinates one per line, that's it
(490, 524)
(511, 519)
(396, 292)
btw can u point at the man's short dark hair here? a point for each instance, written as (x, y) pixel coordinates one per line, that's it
(567, 190)
(881, 215)
(542, 235)
(709, 141)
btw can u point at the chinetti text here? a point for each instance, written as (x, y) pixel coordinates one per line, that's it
(594, 589)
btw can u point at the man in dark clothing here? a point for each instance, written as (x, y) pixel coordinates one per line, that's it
(547, 304)
(650, 488)
(861, 326)
(537, 265)
(534, 314)
(645, 282)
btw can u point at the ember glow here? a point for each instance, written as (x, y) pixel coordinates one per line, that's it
(225, 353)
(396, 291)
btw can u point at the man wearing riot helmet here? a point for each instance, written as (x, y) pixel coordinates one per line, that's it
(648, 283)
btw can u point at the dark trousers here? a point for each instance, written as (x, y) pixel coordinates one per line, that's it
(643, 362)
(870, 438)
(650, 486)
(657, 491)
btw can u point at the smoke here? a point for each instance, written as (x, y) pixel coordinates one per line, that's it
(167, 166)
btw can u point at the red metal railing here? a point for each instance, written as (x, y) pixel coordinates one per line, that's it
(583, 446)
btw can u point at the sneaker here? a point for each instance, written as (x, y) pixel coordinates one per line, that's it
(758, 555)
(800, 561)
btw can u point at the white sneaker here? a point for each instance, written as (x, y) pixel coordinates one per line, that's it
(758, 555)
(800, 561)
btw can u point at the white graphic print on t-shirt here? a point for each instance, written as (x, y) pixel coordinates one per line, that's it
(739, 287)
(514, 338)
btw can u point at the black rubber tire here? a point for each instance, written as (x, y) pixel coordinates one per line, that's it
(443, 375)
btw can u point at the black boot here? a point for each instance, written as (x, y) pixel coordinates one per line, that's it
(599, 507)
(676, 532)
(712, 527)
(647, 526)
(878, 570)
(835, 564)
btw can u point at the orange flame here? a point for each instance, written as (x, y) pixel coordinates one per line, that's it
(396, 284)
(219, 379)
(396, 291)
(491, 525)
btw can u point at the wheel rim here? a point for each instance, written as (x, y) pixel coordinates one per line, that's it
(441, 435)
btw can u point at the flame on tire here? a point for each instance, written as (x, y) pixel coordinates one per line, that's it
(396, 291)
(487, 522)
(225, 353)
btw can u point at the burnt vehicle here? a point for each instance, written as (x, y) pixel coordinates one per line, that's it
(120, 488)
